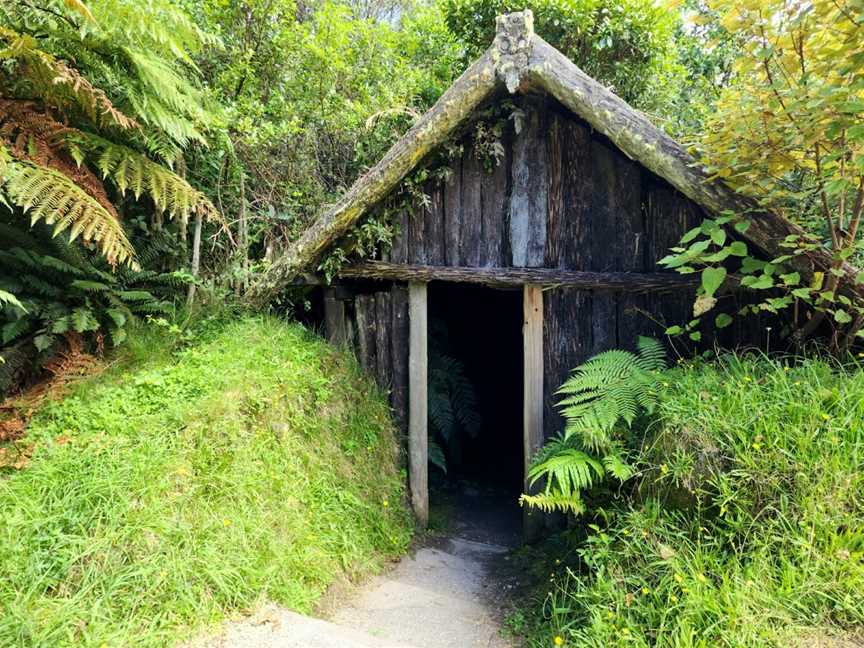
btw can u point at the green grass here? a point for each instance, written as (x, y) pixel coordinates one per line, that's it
(746, 527)
(192, 481)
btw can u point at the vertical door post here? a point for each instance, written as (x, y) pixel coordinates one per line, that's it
(418, 384)
(532, 404)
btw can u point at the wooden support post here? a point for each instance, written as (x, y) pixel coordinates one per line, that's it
(532, 404)
(418, 383)
(334, 317)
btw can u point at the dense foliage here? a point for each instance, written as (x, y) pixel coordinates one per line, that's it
(191, 480)
(744, 527)
(97, 104)
(626, 44)
(789, 134)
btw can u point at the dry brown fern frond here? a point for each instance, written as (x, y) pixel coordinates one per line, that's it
(58, 84)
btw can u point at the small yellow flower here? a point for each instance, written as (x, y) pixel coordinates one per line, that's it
(226, 522)
(645, 591)
(665, 384)
(558, 640)
(757, 446)
(747, 379)
(673, 598)
(860, 355)
(825, 417)
(385, 503)
(678, 578)
(664, 468)
(625, 631)
(797, 382)
(785, 368)
(701, 578)
(610, 614)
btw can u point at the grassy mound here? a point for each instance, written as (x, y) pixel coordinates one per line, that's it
(253, 461)
(747, 528)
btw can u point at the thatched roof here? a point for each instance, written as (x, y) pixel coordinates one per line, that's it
(519, 60)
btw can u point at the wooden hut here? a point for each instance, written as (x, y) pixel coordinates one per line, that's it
(585, 197)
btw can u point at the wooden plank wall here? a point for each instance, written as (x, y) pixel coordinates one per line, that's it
(375, 326)
(561, 197)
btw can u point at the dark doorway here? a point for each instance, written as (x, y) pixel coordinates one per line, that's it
(475, 395)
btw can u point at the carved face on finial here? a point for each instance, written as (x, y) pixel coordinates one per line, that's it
(513, 34)
(519, 23)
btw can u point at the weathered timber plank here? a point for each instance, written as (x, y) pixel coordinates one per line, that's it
(399, 356)
(434, 216)
(494, 201)
(418, 367)
(532, 403)
(631, 247)
(603, 215)
(453, 214)
(567, 331)
(556, 205)
(399, 253)
(334, 317)
(528, 195)
(417, 233)
(383, 359)
(470, 234)
(364, 315)
(626, 281)
(668, 216)
(604, 321)
(577, 181)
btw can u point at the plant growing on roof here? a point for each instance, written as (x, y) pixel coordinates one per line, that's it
(601, 401)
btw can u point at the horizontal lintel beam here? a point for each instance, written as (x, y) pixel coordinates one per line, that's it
(623, 281)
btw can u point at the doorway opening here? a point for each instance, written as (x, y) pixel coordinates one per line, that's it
(475, 421)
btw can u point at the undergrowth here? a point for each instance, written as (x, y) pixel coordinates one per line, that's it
(744, 528)
(194, 479)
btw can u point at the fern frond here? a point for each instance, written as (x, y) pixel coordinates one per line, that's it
(436, 456)
(8, 299)
(652, 355)
(617, 467)
(567, 472)
(611, 389)
(552, 502)
(51, 197)
(132, 171)
(59, 84)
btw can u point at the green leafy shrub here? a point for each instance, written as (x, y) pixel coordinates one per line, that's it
(770, 550)
(253, 462)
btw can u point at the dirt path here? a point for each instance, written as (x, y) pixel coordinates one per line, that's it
(446, 595)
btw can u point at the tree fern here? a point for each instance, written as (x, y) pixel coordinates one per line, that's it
(51, 197)
(602, 396)
(132, 171)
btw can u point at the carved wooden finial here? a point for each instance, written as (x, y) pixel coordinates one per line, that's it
(513, 34)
